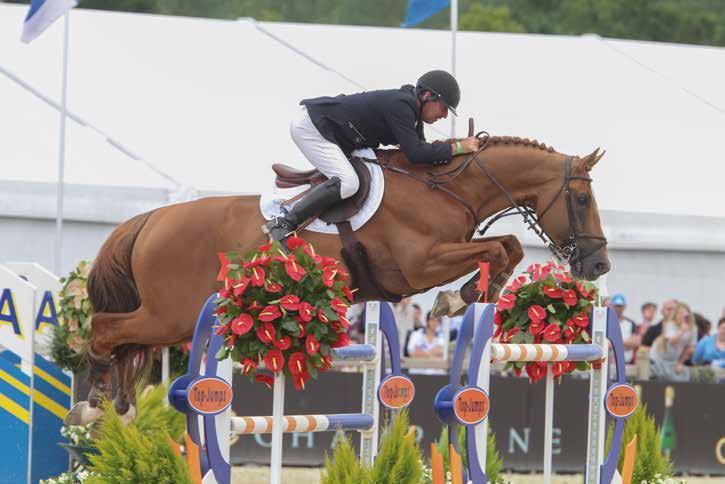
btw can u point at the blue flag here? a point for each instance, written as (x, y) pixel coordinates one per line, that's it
(42, 13)
(419, 10)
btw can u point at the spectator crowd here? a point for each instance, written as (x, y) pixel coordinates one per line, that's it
(673, 342)
(680, 340)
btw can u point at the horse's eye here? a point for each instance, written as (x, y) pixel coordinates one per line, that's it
(583, 199)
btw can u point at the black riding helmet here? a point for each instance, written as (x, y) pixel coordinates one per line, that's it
(442, 86)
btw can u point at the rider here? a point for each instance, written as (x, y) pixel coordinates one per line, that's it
(328, 129)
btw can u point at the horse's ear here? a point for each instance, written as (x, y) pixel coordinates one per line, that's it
(590, 160)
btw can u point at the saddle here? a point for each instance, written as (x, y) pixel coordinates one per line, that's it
(353, 252)
(288, 177)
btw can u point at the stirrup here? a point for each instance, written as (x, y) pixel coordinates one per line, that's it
(278, 229)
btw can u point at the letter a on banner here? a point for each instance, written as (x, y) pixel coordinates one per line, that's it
(9, 313)
(46, 313)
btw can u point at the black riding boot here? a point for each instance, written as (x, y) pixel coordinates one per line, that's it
(319, 198)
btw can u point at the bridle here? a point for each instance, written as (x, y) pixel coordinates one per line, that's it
(566, 252)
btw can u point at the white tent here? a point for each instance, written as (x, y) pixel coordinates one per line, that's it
(208, 101)
(205, 105)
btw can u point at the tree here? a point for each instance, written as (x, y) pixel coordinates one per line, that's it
(489, 19)
(683, 21)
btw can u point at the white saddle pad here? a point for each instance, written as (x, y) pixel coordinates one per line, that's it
(270, 203)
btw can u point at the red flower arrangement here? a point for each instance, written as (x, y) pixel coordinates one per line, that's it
(286, 310)
(544, 305)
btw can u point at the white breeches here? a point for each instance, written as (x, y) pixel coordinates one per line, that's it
(323, 154)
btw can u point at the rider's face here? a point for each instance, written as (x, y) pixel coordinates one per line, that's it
(433, 111)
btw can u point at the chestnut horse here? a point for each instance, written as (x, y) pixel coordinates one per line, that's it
(155, 271)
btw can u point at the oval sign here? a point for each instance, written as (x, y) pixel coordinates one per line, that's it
(471, 405)
(620, 400)
(396, 392)
(209, 395)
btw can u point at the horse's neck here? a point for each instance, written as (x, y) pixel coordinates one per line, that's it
(526, 173)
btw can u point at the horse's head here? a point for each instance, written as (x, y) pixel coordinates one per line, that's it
(572, 220)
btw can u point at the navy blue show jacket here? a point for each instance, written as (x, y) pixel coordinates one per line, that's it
(374, 118)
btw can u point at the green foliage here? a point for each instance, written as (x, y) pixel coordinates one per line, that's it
(399, 459)
(131, 454)
(153, 416)
(689, 22)
(650, 464)
(494, 461)
(684, 21)
(344, 468)
(141, 451)
(487, 18)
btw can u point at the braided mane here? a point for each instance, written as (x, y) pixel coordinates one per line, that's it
(508, 140)
(515, 140)
(490, 141)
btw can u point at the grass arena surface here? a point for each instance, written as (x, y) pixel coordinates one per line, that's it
(306, 475)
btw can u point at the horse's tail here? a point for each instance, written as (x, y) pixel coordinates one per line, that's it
(112, 289)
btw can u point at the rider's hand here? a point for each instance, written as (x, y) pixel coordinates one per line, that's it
(469, 145)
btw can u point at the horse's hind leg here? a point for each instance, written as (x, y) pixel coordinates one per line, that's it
(116, 339)
(126, 378)
(129, 337)
(99, 377)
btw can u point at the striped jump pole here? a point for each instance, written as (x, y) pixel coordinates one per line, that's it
(469, 405)
(303, 423)
(209, 424)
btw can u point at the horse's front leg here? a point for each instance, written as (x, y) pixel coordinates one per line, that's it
(447, 261)
(514, 252)
(454, 302)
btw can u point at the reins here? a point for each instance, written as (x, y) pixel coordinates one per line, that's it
(565, 252)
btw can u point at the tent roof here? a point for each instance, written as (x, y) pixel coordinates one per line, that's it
(207, 102)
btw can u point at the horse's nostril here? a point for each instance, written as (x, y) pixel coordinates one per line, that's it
(601, 268)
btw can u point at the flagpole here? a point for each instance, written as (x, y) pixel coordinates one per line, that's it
(454, 29)
(61, 153)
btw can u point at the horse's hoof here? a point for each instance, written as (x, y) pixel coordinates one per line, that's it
(82, 414)
(440, 305)
(459, 312)
(129, 416)
(448, 303)
(456, 304)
